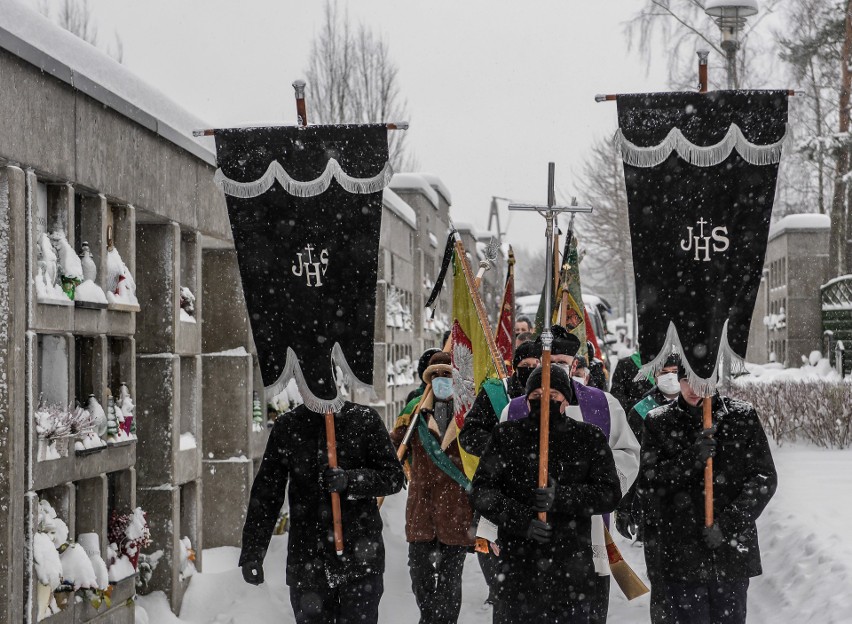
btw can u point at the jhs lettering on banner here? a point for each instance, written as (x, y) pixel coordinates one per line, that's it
(702, 244)
(312, 270)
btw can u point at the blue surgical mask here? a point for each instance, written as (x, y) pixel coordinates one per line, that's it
(442, 387)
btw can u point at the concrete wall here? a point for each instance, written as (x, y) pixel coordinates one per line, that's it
(797, 265)
(13, 307)
(111, 171)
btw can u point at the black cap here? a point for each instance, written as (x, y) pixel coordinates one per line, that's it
(564, 342)
(423, 363)
(526, 350)
(672, 360)
(558, 381)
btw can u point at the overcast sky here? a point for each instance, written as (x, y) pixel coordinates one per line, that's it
(495, 89)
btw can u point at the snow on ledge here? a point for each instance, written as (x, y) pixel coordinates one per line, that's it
(32, 37)
(415, 182)
(239, 352)
(438, 185)
(800, 222)
(398, 206)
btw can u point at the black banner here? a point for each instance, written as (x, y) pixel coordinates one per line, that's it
(305, 206)
(700, 171)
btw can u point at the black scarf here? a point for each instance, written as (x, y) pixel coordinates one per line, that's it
(308, 250)
(699, 220)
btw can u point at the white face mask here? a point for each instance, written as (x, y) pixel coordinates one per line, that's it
(668, 383)
(563, 366)
(580, 380)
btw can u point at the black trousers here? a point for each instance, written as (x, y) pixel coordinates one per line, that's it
(708, 603)
(660, 611)
(490, 565)
(544, 611)
(353, 603)
(599, 600)
(436, 580)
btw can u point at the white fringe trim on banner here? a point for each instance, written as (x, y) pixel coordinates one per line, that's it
(292, 370)
(728, 363)
(698, 155)
(309, 188)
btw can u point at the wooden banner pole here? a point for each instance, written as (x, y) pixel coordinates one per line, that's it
(708, 469)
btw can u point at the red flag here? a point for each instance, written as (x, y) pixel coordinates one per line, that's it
(505, 337)
(590, 335)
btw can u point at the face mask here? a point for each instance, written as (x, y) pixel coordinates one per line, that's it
(563, 366)
(535, 407)
(668, 383)
(522, 373)
(442, 387)
(580, 380)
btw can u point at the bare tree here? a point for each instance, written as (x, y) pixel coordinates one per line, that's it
(684, 28)
(354, 80)
(605, 233)
(529, 269)
(76, 16)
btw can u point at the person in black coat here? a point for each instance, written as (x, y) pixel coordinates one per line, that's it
(623, 387)
(629, 513)
(324, 587)
(546, 568)
(706, 570)
(481, 419)
(479, 422)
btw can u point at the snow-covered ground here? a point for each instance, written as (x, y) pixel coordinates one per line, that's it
(804, 536)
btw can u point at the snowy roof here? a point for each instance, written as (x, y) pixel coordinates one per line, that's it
(438, 185)
(800, 222)
(464, 226)
(396, 205)
(35, 39)
(415, 182)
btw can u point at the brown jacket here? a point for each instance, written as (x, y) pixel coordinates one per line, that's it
(437, 506)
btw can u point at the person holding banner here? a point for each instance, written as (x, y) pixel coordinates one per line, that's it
(324, 586)
(705, 570)
(583, 482)
(438, 516)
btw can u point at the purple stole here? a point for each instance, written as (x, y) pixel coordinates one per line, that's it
(593, 407)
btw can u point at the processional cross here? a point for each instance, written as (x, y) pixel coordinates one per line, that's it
(549, 212)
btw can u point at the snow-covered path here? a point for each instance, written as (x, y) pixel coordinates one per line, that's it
(804, 535)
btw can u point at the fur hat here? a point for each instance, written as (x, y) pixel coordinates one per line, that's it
(423, 362)
(526, 350)
(564, 342)
(558, 381)
(440, 362)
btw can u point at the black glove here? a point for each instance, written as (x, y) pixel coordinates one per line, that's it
(544, 497)
(253, 572)
(705, 445)
(539, 531)
(713, 536)
(625, 524)
(335, 480)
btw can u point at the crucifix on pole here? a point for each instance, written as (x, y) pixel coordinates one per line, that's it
(549, 212)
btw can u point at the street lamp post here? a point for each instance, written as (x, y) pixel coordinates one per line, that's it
(731, 17)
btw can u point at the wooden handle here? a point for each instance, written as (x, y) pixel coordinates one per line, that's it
(331, 443)
(544, 433)
(708, 469)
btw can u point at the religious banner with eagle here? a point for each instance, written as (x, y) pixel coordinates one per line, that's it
(305, 205)
(700, 171)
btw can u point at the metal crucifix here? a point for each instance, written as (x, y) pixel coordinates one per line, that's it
(549, 212)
